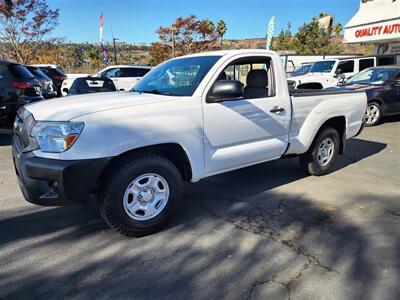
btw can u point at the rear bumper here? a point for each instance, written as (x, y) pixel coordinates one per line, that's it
(52, 182)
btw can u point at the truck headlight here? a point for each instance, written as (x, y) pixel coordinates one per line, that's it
(56, 137)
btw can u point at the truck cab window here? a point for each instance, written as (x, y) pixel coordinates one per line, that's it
(254, 74)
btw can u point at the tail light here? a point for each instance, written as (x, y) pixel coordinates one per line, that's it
(21, 85)
(59, 77)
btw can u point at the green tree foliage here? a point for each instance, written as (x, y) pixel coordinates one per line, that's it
(221, 29)
(311, 38)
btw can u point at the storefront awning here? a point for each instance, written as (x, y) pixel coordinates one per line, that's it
(377, 23)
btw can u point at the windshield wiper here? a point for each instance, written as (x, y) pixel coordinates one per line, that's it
(155, 91)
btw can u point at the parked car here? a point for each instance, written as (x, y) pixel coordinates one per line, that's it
(56, 74)
(124, 76)
(17, 87)
(88, 85)
(49, 89)
(304, 69)
(328, 73)
(134, 150)
(382, 86)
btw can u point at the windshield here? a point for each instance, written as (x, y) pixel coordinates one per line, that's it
(38, 73)
(373, 76)
(92, 85)
(177, 77)
(303, 69)
(325, 66)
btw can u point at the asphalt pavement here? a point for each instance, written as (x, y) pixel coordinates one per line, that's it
(264, 232)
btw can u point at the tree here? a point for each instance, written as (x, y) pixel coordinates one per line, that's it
(23, 32)
(6, 7)
(312, 39)
(221, 29)
(189, 35)
(285, 39)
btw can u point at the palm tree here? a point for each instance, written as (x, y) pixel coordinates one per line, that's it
(221, 29)
(337, 29)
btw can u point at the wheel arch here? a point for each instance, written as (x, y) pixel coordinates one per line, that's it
(172, 151)
(339, 123)
(380, 101)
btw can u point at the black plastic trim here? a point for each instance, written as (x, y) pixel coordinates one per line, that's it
(76, 179)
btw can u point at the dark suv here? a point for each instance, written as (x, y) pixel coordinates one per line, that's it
(56, 74)
(17, 87)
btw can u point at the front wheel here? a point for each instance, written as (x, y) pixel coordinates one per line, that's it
(373, 114)
(141, 195)
(322, 155)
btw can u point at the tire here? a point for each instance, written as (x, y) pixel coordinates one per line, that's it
(373, 115)
(132, 192)
(318, 162)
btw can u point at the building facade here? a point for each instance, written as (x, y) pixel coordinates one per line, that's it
(377, 22)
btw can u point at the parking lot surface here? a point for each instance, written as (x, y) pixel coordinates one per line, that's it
(262, 232)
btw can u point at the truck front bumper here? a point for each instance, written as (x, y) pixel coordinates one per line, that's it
(51, 182)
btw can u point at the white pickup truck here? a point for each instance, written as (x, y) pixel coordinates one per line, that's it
(189, 118)
(329, 72)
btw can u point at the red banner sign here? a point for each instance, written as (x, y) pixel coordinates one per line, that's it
(378, 30)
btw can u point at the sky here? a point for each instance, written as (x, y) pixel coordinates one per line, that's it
(135, 21)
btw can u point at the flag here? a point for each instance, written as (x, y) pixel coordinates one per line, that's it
(103, 49)
(271, 30)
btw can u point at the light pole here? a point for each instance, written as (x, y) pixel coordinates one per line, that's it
(173, 28)
(115, 51)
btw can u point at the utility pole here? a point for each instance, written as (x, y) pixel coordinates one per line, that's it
(173, 28)
(115, 51)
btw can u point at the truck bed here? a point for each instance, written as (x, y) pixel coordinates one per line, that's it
(311, 92)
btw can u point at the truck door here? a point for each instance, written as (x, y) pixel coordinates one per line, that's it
(252, 128)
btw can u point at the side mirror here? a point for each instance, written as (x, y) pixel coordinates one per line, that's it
(66, 90)
(225, 90)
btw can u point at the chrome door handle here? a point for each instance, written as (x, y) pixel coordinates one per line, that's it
(277, 109)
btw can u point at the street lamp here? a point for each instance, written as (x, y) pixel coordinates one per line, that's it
(173, 29)
(115, 51)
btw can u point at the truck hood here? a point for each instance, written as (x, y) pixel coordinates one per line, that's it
(69, 107)
(310, 77)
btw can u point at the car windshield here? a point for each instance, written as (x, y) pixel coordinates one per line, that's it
(325, 66)
(92, 85)
(38, 73)
(20, 72)
(373, 76)
(303, 69)
(177, 77)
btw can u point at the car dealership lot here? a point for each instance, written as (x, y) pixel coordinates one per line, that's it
(261, 232)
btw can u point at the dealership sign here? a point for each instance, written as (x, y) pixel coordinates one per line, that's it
(382, 30)
(379, 32)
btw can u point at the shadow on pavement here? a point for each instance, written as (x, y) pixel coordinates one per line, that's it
(5, 136)
(232, 238)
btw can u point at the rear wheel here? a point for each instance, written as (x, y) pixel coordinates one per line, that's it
(141, 195)
(373, 114)
(322, 155)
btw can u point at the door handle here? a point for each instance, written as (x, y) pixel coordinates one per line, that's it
(277, 109)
